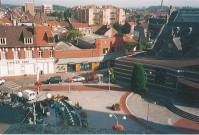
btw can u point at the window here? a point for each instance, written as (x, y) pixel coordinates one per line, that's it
(50, 40)
(28, 41)
(121, 49)
(2, 41)
(16, 54)
(118, 49)
(105, 51)
(112, 49)
(28, 54)
(40, 54)
(3, 55)
(51, 54)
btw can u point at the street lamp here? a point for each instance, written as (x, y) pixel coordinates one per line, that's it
(48, 95)
(109, 73)
(111, 115)
(146, 75)
(148, 114)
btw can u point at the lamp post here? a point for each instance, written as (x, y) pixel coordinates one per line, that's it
(111, 115)
(48, 95)
(109, 73)
(148, 114)
(146, 75)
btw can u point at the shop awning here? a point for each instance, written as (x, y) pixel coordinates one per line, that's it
(71, 63)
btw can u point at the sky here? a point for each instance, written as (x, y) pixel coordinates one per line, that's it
(117, 3)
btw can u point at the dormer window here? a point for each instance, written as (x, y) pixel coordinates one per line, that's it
(50, 40)
(28, 40)
(2, 41)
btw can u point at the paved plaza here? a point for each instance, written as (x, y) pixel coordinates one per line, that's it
(96, 100)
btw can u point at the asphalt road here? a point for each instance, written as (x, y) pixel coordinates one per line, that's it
(9, 116)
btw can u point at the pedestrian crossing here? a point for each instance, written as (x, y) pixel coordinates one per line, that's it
(11, 85)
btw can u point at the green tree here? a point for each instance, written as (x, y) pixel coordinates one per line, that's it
(118, 27)
(128, 46)
(140, 46)
(138, 80)
(66, 14)
(61, 15)
(73, 34)
(112, 76)
(143, 44)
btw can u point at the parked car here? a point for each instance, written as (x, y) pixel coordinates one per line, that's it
(55, 79)
(28, 94)
(78, 78)
(2, 81)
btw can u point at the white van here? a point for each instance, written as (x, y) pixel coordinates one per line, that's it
(28, 94)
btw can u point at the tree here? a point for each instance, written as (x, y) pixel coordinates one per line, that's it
(61, 15)
(143, 44)
(73, 34)
(69, 14)
(128, 46)
(118, 27)
(140, 46)
(66, 14)
(112, 76)
(138, 80)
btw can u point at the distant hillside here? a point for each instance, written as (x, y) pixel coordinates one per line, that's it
(9, 5)
(154, 9)
(60, 8)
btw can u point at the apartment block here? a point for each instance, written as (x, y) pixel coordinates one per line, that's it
(47, 9)
(100, 15)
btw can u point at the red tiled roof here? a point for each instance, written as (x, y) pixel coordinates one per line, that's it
(53, 23)
(41, 33)
(80, 25)
(5, 20)
(164, 63)
(132, 23)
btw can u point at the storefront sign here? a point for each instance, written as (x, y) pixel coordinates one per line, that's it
(17, 62)
(47, 47)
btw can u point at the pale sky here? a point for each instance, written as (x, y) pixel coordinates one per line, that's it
(118, 3)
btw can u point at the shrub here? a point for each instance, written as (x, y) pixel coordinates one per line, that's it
(84, 124)
(138, 80)
(116, 106)
(64, 123)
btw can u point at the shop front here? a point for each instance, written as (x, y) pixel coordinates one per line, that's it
(62, 68)
(71, 67)
(26, 67)
(85, 66)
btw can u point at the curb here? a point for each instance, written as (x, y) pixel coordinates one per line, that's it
(127, 112)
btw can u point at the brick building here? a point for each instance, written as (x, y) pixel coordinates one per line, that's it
(172, 64)
(29, 6)
(100, 53)
(24, 50)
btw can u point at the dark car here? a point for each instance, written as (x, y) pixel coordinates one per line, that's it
(55, 79)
